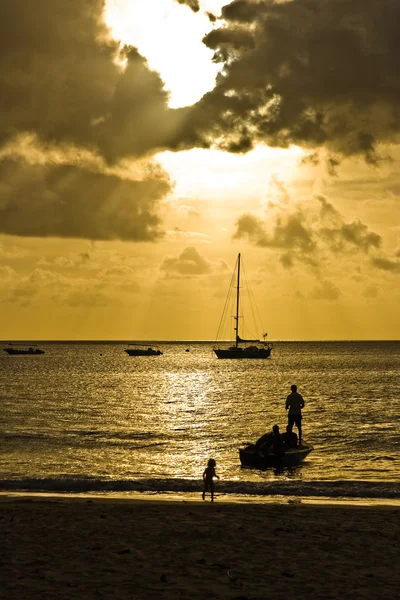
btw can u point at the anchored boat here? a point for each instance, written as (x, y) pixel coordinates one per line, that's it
(142, 350)
(20, 350)
(242, 348)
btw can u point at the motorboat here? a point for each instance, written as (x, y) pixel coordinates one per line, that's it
(23, 350)
(250, 456)
(142, 350)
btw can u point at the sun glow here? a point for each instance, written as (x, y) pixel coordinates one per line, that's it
(216, 174)
(169, 35)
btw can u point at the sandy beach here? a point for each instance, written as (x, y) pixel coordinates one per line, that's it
(141, 549)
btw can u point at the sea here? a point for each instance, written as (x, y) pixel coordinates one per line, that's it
(85, 418)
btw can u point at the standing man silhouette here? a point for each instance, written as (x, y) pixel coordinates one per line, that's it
(294, 402)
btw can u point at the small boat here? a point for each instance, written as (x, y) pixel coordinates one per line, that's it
(258, 348)
(142, 350)
(18, 351)
(251, 457)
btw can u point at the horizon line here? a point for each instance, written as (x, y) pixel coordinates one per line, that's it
(185, 341)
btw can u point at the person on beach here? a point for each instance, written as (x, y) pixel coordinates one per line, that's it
(208, 476)
(294, 402)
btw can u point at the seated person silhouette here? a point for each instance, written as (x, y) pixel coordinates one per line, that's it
(289, 438)
(272, 439)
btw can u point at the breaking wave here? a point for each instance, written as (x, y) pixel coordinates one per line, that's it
(314, 489)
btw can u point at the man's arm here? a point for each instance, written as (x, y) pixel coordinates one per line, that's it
(302, 403)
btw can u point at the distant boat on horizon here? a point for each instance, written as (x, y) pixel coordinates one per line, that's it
(258, 348)
(23, 350)
(142, 350)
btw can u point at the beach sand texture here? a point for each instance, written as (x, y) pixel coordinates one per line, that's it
(142, 549)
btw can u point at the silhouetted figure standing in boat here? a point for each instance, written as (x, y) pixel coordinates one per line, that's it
(294, 402)
(208, 475)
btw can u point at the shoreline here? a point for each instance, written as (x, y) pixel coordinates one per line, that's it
(195, 498)
(146, 548)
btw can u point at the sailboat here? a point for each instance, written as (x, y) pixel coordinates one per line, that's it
(241, 349)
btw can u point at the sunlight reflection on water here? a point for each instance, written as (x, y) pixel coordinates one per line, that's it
(88, 409)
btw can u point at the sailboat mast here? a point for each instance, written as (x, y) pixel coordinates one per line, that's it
(237, 302)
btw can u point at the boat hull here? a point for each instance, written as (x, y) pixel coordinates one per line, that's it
(243, 352)
(292, 458)
(149, 352)
(16, 352)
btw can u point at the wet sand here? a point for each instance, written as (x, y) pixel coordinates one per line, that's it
(143, 549)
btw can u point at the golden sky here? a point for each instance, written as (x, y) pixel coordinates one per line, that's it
(144, 143)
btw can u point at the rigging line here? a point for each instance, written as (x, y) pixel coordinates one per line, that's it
(253, 305)
(227, 300)
(256, 310)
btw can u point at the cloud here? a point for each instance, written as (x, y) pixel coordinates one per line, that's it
(10, 252)
(193, 4)
(301, 72)
(190, 263)
(76, 288)
(326, 290)
(339, 235)
(68, 201)
(386, 264)
(72, 104)
(61, 79)
(372, 291)
(188, 212)
(305, 72)
(73, 261)
(310, 231)
(7, 274)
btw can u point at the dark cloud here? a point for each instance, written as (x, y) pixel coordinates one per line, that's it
(193, 4)
(301, 72)
(306, 232)
(306, 72)
(339, 235)
(60, 79)
(68, 201)
(289, 233)
(386, 264)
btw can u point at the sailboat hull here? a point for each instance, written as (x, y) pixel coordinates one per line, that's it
(253, 352)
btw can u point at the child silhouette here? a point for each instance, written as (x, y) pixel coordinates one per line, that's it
(208, 475)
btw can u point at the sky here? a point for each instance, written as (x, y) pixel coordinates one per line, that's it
(145, 143)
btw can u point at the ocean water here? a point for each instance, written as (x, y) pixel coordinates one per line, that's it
(85, 417)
